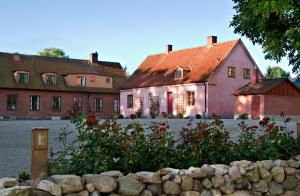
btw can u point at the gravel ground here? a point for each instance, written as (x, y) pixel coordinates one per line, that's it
(15, 138)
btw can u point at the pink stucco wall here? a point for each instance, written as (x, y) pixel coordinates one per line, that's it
(221, 87)
(161, 92)
(242, 105)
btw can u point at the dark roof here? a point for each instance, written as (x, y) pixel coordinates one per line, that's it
(261, 87)
(38, 65)
(158, 70)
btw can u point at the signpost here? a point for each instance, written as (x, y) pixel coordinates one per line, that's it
(39, 147)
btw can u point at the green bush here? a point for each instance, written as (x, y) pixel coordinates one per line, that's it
(24, 175)
(244, 116)
(109, 146)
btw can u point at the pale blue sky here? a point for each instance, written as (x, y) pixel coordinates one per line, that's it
(125, 31)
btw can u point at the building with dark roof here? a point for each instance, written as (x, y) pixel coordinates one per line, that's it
(41, 87)
(187, 82)
(272, 98)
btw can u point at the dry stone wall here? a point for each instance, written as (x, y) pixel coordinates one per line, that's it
(240, 178)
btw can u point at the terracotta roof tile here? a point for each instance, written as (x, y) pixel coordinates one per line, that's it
(158, 70)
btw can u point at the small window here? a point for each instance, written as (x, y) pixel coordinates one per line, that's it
(190, 97)
(178, 73)
(99, 105)
(129, 101)
(92, 79)
(107, 80)
(246, 73)
(50, 79)
(12, 101)
(23, 78)
(34, 103)
(117, 105)
(56, 103)
(231, 72)
(81, 80)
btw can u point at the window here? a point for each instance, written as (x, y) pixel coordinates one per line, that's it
(12, 101)
(107, 80)
(23, 78)
(34, 103)
(246, 73)
(117, 105)
(98, 104)
(92, 79)
(178, 73)
(190, 97)
(129, 101)
(81, 80)
(50, 79)
(56, 103)
(77, 104)
(231, 72)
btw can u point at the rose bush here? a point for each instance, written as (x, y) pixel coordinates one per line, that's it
(102, 146)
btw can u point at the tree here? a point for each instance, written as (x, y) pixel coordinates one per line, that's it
(276, 72)
(53, 52)
(274, 24)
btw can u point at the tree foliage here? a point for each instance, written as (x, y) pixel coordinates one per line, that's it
(276, 72)
(274, 24)
(53, 52)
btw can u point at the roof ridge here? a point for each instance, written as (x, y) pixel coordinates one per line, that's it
(195, 47)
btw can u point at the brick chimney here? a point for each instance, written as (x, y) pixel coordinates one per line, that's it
(169, 48)
(254, 77)
(93, 58)
(212, 40)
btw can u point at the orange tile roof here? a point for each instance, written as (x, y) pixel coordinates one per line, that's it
(158, 70)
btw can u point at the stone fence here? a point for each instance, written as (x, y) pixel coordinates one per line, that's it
(240, 178)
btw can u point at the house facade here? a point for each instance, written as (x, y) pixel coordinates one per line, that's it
(262, 98)
(187, 82)
(46, 87)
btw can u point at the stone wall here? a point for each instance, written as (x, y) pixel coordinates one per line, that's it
(240, 178)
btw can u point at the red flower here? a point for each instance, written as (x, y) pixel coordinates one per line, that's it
(270, 128)
(132, 116)
(162, 129)
(164, 114)
(91, 120)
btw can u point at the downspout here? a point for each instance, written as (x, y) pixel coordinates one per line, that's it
(205, 98)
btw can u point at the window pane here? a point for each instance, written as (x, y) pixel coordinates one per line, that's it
(98, 104)
(191, 97)
(34, 103)
(51, 80)
(12, 102)
(231, 72)
(116, 105)
(56, 103)
(246, 73)
(23, 78)
(129, 101)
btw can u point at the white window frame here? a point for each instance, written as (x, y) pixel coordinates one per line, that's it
(38, 103)
(178, 74)
(82, 80)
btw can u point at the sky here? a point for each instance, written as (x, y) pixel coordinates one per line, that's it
(124, 31)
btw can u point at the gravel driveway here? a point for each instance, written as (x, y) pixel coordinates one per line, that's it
(15, 138)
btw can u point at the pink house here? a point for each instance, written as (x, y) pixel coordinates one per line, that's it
(199, 80)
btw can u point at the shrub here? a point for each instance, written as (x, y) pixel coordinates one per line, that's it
(108, 146)
(24, 175)
(198, 116)
(121, 116)
(244, 116)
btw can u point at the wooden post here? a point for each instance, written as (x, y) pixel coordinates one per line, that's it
(39, 149)
(298, 132)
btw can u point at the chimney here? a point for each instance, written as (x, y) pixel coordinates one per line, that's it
(169, 48)
(254, 78)
(93, 57)
(212, 40)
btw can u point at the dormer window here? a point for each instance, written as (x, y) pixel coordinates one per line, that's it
(81, 80)
(178, 73)
(50, 79)
(22, 77)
